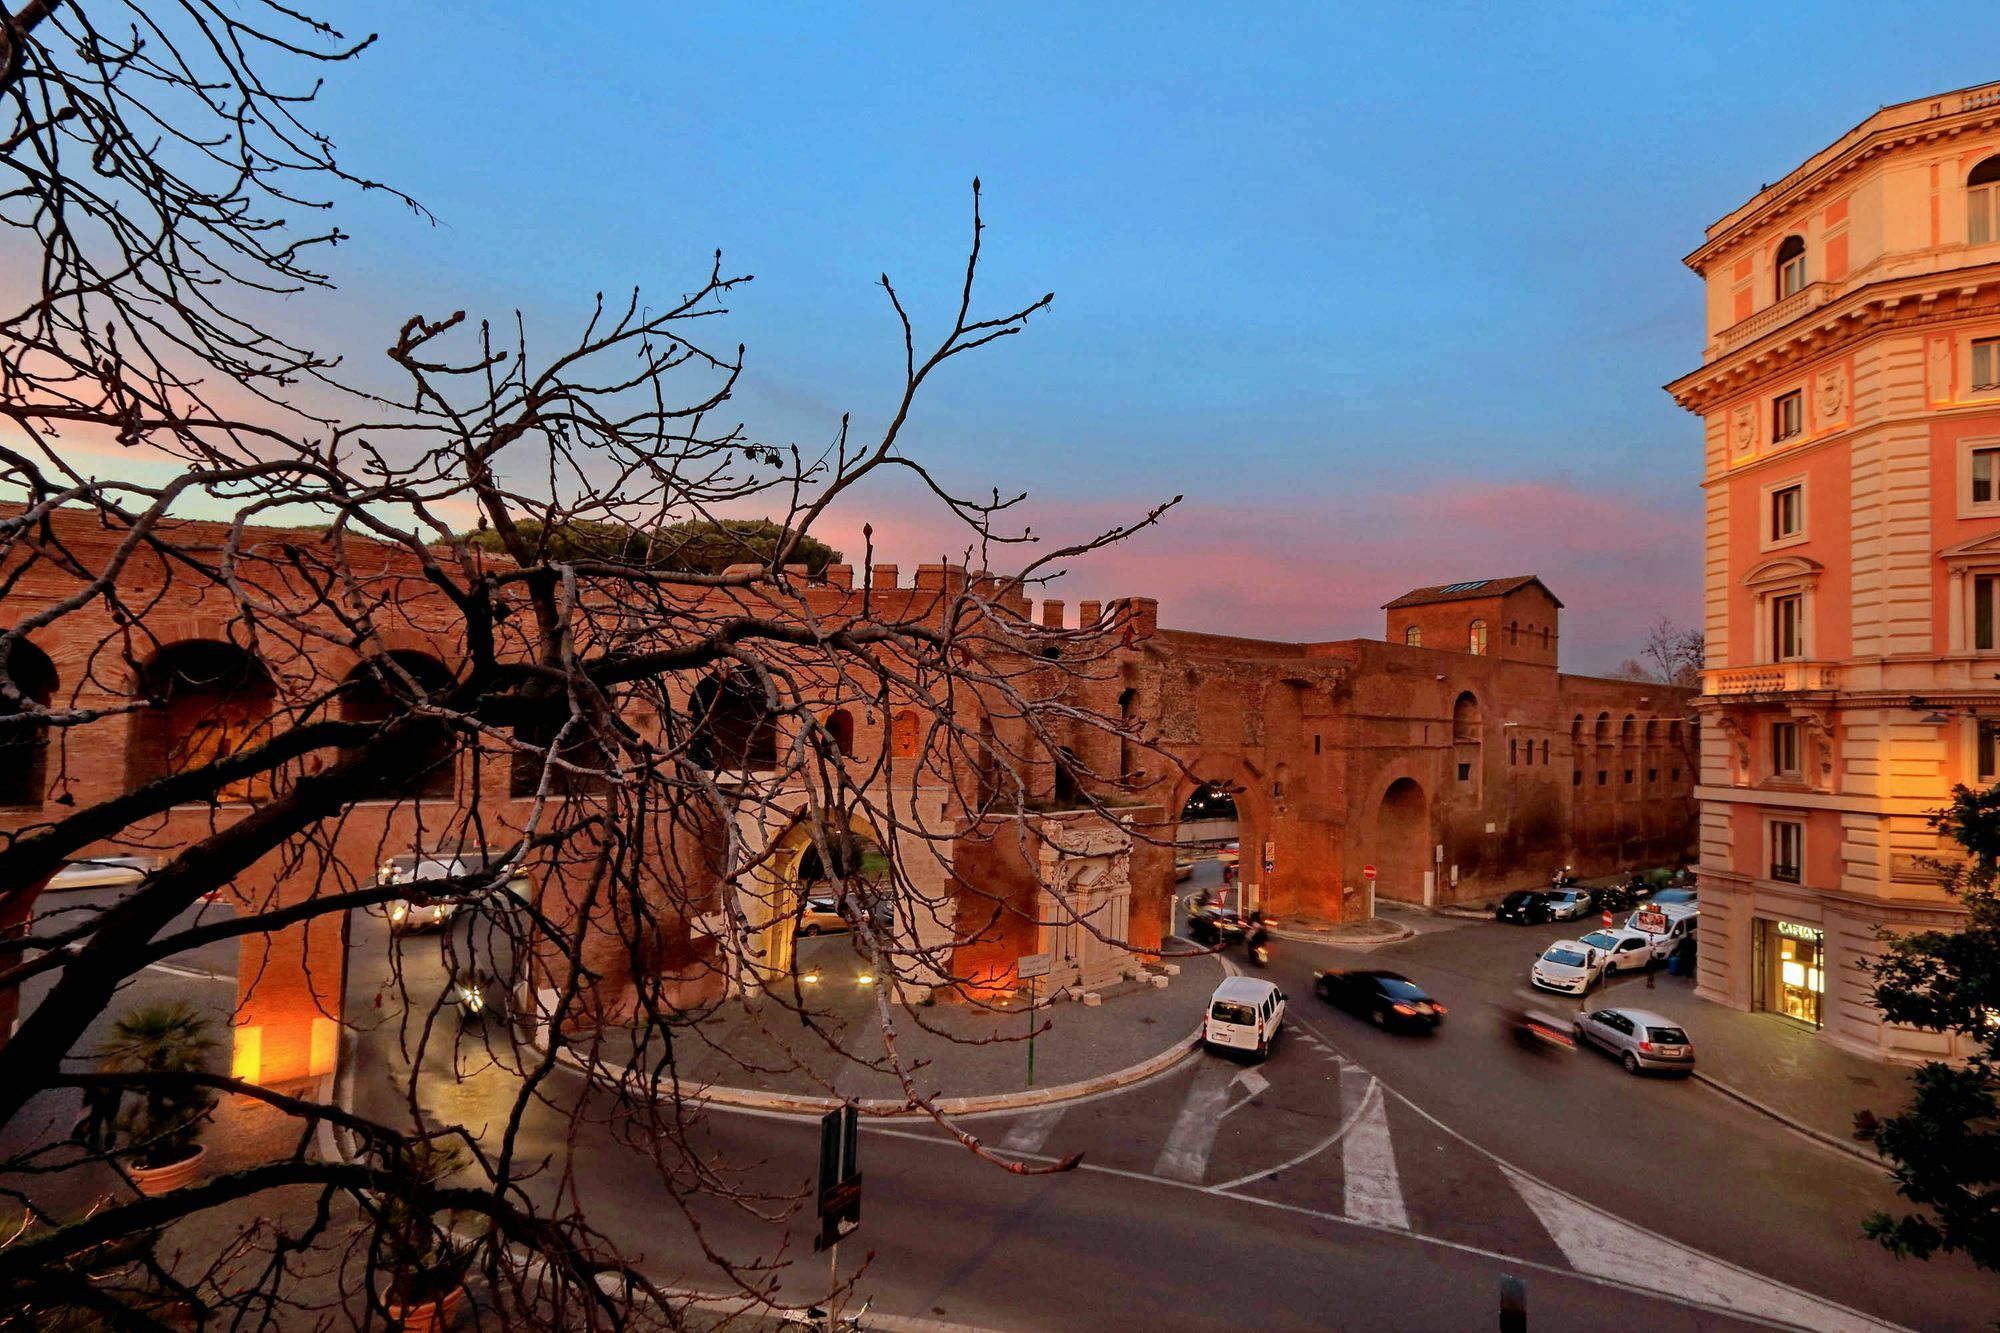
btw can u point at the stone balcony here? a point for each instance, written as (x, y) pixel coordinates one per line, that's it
(1770, 678)
(1801, 302)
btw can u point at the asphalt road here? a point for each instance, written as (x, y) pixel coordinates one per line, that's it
(1357, 1179)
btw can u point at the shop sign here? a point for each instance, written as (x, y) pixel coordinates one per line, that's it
(1791, 931)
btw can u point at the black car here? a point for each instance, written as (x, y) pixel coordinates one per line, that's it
(1216, 925)
(1525, 908)
(1387, 999)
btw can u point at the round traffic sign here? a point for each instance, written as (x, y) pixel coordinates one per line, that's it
(1368, 872)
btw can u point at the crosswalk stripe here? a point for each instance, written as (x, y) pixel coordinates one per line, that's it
(1032, 1130)
(1601, 1245)
(1373, 1192)
(1185, 1156)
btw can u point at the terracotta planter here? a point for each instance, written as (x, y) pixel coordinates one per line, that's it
(153, 1180)
(425, 1316)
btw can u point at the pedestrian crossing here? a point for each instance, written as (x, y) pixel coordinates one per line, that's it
(1316, 1133)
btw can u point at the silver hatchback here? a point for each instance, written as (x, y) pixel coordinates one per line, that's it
(1639, 1038)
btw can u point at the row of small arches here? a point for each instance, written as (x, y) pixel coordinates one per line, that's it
(1630, 732)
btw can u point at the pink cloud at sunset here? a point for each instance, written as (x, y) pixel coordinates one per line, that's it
(1308, 572)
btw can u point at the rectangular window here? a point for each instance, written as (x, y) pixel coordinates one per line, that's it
(1989, 750)
(1652, 775)
(1787, 512)
(1785, 749)
(1985, 468)
(1677, 775)
(1788, 414)
(1986, 363)
(1600, 777)
(1788, 628)
(1465, 772)
(1979, 213)
(1985, 605)
(1513, 751)
(1787, 850)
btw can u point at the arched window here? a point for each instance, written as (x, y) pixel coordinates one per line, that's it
(1791, 266)
(733, 728)
(23, 746)
(1628, 734)
(1545, 636)
(1476, 639)
(1513, 632)
(903, 735)
(1465, 719)
(1576, 730)
(1545, 752)
(1603, 736)
(1128, 708)
(1982, 202)
(207, 699)
(1068, 791)
(1413, 637)
(840, 725)
(378, 690)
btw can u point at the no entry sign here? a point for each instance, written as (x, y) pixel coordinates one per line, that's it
(1368, 872)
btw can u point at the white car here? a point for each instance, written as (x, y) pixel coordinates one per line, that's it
(1566, 904)
(1624, 950)
(1569, 966)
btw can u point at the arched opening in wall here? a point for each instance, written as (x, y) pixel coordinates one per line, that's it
(840, 726)
(1513, 632)
(208, 699)
(1576, 730)
(1603, 731)
(1628, 734)
(1413, 636)
(1791, 266)
(1475, 639)
(1545, 752)
(1210, 825)
(581, 765)
(1128, 709)
(1545, 637)
(1652, 732)
(733, 731)
(1982, 202)
(821, 879)
(24, 747)
(1068, 791)
(1465, 728)
(1403, 856)
(905, 731)
(377, 690)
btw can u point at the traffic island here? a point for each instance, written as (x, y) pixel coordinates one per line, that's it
(1349, 934)
(764, 1053)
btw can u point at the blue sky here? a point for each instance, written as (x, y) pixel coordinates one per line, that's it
(1387, 292)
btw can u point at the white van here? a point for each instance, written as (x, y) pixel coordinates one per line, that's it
(1243, 1015)
(1682, 918)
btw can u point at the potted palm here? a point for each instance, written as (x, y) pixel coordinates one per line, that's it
(160, 1124)
(423, 1254)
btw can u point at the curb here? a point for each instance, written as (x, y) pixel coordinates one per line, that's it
(1343, 941)
(1819, 1136)
(796, 1103)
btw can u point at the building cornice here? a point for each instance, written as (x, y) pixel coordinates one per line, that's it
(1916, 301)
(1945, 116)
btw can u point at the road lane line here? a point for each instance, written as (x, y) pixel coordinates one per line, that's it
(1605, 1246)
(1032, 1130)
(1346, 1124)
(1193, 1136)
(1371, 1189)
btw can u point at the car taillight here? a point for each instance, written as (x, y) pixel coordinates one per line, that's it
(1403, 1009)
(1646, 1046)
(1438, 1007)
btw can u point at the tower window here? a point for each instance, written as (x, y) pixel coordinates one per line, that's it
(1791, 266)
(1982, 202)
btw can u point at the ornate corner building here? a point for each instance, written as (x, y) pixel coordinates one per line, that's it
(1850, 394)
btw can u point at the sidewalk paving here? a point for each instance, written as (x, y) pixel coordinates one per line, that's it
(760, 1052)
(1773, 1064)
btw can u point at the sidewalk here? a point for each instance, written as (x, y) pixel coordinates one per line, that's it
(761, 1053)
(1775, 1065)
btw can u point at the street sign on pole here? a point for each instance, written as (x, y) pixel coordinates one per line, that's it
(1034, 965)
(1607, 918)
(839, 1176)
(1368, 872)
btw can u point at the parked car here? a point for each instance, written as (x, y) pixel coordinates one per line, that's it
(821, 916)
(1639, 1038)
(1685, 897)
(1525, 907)
(1567, 904)
(1624, 950)
(1569, 966)
(100, 872)
(1386, 999)
(1244, 1014)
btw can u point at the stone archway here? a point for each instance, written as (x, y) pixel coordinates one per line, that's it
(788, 875)
(1403, 858)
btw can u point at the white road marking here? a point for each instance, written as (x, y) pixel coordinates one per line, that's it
(1032, 1130)
(1193, 1136)
(1254, 1084)
(1373, 1193)
(1603, 1246)
(191, 974)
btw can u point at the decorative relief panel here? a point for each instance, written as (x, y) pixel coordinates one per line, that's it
(1937, 361)
(1743, 429)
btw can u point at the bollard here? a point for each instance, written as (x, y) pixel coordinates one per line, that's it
(1513, 1304)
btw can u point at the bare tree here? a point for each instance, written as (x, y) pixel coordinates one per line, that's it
(608, 730)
